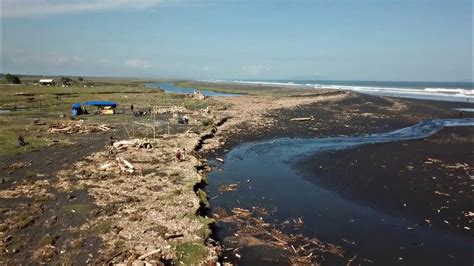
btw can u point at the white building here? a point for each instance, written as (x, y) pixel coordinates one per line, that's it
(48, 82)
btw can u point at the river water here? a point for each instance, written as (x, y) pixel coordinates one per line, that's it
(169, 87)
(266, 177)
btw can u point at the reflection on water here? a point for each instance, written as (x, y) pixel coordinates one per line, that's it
(267, 180)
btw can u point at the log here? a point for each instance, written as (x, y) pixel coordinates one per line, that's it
(118, 144)
(128, 164)
(149, 254)
(105, 166)
(173, 236)
(302, 118)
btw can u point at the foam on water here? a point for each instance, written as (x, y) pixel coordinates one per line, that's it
(407, 90)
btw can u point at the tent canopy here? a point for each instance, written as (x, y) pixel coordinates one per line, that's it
(101, 103)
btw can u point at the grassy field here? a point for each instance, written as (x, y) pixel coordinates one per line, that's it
(243, 88)
(22, 105)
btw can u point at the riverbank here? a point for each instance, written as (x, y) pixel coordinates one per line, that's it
(74, 197)
(353, 114)
(78, 199)
(341, 114)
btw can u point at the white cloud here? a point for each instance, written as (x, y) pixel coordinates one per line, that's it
(61, 59)
(255, 69)
(34, 8)
(138, 63)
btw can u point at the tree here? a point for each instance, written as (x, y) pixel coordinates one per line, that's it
(66, 81)
(80, 79)
(12, 79)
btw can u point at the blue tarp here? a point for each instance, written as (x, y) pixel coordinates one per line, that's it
(77, 108)
(101, 103)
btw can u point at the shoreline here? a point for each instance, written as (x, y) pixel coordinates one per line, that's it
(108, 202)
(354, 113)
(361, 114)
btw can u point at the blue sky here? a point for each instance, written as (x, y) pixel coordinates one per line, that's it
(426, 40)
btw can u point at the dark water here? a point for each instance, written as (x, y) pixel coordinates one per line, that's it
(267, 179)
(172, 88)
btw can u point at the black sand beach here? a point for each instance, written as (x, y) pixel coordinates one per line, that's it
(429, 179)
(425, 183)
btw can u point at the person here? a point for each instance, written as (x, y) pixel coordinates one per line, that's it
(183, 154)
(111, 140)
(131, 108)
(178, 155)
(21, 140)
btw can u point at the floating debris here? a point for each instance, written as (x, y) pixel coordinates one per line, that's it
(228, 188)
(250, 223)
(441, 193)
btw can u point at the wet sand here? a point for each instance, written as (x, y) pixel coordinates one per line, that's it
(428, 180)
(393, 178)
(355, 114)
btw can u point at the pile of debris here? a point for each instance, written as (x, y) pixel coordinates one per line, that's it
(148, 201)
(135, 143)
(118, 166)
(77, 127)
(198, 95)
(250, 223)
(168, 109)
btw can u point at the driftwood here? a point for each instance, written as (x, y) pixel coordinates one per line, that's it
(250, 223)
(128, 166)
(302, 118)
(220, 160)
(77, 127)
(142, 257)
(228, 188)
(139, 143)
(171, 236)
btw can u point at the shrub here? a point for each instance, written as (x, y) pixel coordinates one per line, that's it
(12, 79)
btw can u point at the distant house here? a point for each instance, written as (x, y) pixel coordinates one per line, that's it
(47, 82)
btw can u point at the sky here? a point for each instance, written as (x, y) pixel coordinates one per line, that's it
(396, 40)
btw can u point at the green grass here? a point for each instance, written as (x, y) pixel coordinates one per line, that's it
(48, 240)
(23, 220)
(203, 198)
(206, 222)
(78, 209)
(101, 228)
(191, 253)
(50, 103)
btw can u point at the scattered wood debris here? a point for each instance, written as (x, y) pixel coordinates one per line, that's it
(168, 110)
(251, 224)
(77, 127)
(136, 143)
(18, 165)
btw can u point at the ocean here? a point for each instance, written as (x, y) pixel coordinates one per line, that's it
(443, 91)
